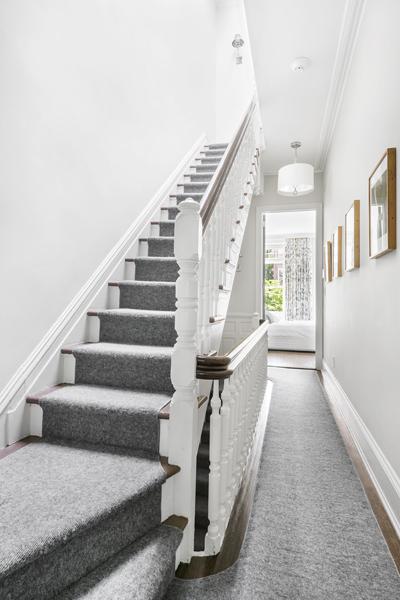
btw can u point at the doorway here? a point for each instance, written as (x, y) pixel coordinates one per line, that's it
(289, 287)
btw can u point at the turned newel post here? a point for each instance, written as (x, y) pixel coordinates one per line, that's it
(184, 412)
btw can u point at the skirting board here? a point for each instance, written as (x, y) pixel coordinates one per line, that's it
(383, 476)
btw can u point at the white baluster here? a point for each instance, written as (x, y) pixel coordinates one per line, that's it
(213, 536)
(225, 425)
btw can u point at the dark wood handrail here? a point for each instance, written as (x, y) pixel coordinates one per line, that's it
(213, 191)
(221, 367)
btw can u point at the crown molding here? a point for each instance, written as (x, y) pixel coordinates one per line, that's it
(351, 21)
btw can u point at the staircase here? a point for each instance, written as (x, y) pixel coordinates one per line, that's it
(81, 507)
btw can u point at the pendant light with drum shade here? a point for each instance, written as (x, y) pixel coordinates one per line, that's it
(296, 179)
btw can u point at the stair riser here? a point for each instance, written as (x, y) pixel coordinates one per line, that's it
(147, 298)
(188, 188)
(139, 431)
(208, 168)
(200, 177)
(142, 330)
(167, 229)
(139, 372)
(209, 160)
(213, 154)
(156, 271)
(217, 146)
(71, 560)
(157, 247)
(172, 214)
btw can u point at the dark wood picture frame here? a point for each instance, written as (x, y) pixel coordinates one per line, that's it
(352, 228)
(384, 176)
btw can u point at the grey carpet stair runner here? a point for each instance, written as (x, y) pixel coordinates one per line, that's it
(142, 570)
(80, 509)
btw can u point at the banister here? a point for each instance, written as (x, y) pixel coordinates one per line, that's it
(210, 198)
(221, 367)
(207, 243)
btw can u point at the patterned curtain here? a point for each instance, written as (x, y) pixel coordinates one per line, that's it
(298, 275)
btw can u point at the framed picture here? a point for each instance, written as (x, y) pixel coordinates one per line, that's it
(382, 205)
(337, 252)
(352, 237)
(328, 261)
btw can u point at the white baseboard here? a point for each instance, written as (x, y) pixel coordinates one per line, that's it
(42, 367)
(384, 478)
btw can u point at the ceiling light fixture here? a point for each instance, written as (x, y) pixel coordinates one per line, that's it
(300, 64)
(296, 179)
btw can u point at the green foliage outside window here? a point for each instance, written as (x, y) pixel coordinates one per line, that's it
(273, 295)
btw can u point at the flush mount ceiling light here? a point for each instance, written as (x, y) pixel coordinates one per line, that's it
(300, 64)
(296, 179)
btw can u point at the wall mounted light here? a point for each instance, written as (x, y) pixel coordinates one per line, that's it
(237, 43)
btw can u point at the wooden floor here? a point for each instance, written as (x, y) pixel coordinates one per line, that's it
(291, 360)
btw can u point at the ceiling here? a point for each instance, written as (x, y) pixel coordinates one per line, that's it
(299, 106)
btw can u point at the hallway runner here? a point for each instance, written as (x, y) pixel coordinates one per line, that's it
(312, 534)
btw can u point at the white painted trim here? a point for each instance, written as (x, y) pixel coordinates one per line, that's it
(283, 207)
(350, 27)
(13, 394)
(384, 478)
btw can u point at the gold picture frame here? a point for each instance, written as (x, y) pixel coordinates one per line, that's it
(337, 266)
(328, 261)
(352, 237)
(382, 205)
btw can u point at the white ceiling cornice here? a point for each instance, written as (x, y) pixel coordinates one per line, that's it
(347, 40)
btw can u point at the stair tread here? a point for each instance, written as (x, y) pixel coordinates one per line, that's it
(210, 173)
(134, 282)
(164, 238)
(109, 348)
(189, 194)
(134, 313)
(51, 492)
(170, 221)
(146, 565)
(167, 259)
(195, 184)
(104, 397)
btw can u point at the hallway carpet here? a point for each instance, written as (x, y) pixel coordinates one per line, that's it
(312, 534)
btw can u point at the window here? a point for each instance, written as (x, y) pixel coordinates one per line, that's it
(274, 276)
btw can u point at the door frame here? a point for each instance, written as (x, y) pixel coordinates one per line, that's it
(300, 206)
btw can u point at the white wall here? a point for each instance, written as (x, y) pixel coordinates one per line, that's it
(99, 102)
(235, 84)
(362, 317)
(246, 293)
